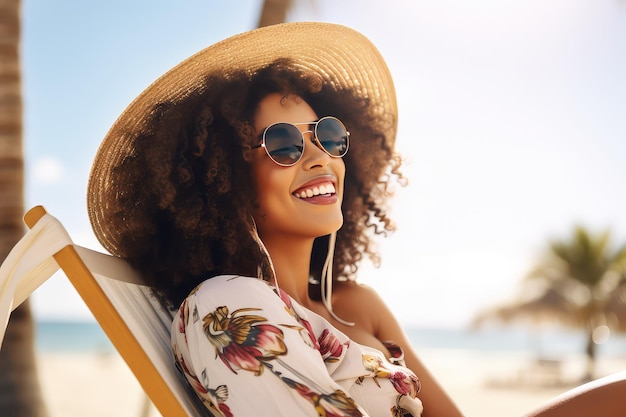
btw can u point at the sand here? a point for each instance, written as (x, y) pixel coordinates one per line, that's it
(485, 384)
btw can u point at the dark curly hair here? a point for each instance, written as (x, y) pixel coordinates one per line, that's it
(187, 214)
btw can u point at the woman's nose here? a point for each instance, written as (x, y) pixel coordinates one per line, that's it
(313, 155)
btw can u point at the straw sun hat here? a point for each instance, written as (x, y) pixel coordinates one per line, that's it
(343, 57)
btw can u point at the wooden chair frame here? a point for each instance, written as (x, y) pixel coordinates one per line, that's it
(137, 324)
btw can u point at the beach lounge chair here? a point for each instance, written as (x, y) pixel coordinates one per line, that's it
(134, 320)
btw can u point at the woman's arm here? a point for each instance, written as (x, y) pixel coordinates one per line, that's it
(604, 397)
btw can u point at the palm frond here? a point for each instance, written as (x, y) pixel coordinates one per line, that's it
(580, 281)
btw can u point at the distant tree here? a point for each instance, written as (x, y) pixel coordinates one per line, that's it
(20, 394)
(580, 282)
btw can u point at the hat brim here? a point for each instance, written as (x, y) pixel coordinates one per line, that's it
(342, 56)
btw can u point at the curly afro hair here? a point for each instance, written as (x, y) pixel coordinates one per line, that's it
(187, 213)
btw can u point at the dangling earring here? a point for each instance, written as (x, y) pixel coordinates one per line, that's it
(255, 235)
(327, 280)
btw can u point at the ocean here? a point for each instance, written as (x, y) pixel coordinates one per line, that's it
(88, 337)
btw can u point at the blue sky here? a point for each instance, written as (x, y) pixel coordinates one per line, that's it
(511, 122)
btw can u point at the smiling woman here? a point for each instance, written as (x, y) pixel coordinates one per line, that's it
(249, 241)
(258, 249)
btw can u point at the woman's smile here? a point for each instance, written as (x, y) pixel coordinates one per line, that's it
(320, 190)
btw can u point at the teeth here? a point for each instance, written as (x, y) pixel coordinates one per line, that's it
(317, 190)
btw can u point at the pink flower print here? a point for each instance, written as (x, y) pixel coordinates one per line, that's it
(285, 297)
(405, 383)
(241, 342)
(330, 347)
(213, 399)
(306, 331)
(183, 318)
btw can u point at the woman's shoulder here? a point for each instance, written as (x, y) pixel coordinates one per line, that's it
(360, 301)
(349, 291)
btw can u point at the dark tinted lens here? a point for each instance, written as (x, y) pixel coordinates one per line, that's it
(284, 143)
(332, 135)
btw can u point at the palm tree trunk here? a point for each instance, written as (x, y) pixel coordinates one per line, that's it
(273, 12)
(20, 394)
(590, 350)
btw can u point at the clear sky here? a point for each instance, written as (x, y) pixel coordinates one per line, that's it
(512, 123)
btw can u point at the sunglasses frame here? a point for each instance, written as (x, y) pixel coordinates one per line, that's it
(314, 139)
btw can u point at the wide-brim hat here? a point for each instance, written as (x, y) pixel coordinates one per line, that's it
(343, 57)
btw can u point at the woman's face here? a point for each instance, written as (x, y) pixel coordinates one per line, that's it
(288, 204)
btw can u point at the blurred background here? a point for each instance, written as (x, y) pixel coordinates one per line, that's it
(507, 269)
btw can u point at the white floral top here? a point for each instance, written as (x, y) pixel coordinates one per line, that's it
(248, 349)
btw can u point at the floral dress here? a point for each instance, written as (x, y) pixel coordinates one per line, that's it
(248, 349)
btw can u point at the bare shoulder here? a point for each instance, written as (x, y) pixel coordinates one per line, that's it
(356, 294)
(362, 303)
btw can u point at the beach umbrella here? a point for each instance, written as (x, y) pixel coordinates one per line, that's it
(549, 305)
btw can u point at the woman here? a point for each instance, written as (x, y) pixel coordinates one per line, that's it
(246, 184)
(201, 179)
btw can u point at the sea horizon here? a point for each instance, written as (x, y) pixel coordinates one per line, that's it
(83, 336)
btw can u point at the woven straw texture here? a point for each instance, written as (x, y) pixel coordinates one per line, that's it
(343, 58)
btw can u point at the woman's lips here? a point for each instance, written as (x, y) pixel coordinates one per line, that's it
(320, 190)
(312, 191)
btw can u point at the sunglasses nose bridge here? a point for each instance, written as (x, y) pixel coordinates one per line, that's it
(314, 140)
(304, 132)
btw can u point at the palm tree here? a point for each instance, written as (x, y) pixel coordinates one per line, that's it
(20, 394)
(581, 282)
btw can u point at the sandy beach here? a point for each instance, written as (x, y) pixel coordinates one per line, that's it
(485, 384)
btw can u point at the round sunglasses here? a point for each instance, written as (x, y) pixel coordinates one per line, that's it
(284, 142)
